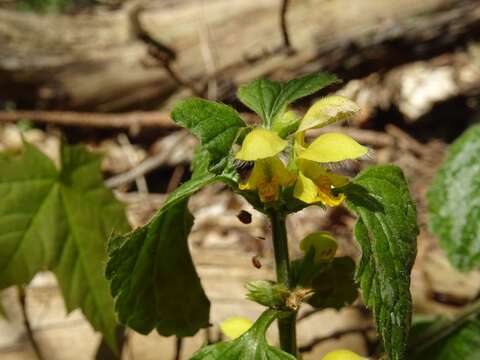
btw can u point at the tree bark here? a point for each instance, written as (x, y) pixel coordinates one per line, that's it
(98, 61)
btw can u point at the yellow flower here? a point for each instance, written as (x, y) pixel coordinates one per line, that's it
(235, 327)
(315, 183)
(342, 355)
(260, 144)
(269, 174)
(267, 177)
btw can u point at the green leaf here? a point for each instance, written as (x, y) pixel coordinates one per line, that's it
(454, 201)
(31, 225)
(387, 231)
(153, 278)
(252, 345)
(335, 288)
(441, 338)
(270, 98)
(60, 220)
(216, 125)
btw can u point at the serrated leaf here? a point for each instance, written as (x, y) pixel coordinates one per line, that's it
(252, 345)
(335, 288)
(60, 220)
(216, 125)
(387, 231)
(446, 340)
(270, 98)
(153, 278)
(454, 202)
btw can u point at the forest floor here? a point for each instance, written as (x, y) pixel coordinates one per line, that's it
(223, 247)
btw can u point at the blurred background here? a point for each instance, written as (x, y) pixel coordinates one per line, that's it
(106, 72)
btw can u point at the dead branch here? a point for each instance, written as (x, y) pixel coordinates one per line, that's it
(129, 120)
(146, 166)
(336, 335)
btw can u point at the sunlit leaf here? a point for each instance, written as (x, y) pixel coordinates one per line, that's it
(454, 201)
(387, 231)
(60, 220)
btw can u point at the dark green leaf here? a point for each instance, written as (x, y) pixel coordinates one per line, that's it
(270, 98)
(453, 201)
(252, 345)
(305, 269)
(335, 288)
(153, 278)
(441, 338)
(387, 231)
(60, 221)
(216, 125)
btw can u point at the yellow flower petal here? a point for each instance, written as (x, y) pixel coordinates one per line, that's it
(267, 176)
(314, 184)
(314, 171)
(342, 355)
(305, 190)
(333, 147)
(260, 144)
(235, 327)
(324, 244)
(328, 111)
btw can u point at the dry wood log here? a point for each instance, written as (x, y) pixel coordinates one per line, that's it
(97, 61)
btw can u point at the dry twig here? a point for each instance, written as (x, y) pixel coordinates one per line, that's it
(132, 120)
(337, 334)
(22, 297)
(144, 167)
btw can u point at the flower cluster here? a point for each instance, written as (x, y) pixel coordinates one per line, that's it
(308, 166)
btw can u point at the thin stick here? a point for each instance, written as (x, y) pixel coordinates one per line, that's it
(176, 178)
(133, 159)
(178, 348)
(140, 119)
(22, 297)
(284, 26)
(338, 334)
(144, 167)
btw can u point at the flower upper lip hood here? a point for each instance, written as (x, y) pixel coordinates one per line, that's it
(260, 144)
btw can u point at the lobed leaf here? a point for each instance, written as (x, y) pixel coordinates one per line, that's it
(387, 231)
(60, 220)
(454, 202)
(252, 345)
(269, 98)
(31, 225)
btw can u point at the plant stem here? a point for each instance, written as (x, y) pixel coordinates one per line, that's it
(286, 325)
(22, 297)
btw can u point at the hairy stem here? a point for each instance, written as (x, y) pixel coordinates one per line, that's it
(286, 325)
(22, 297)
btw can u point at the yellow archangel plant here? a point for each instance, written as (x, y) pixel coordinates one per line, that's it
(308, 168)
